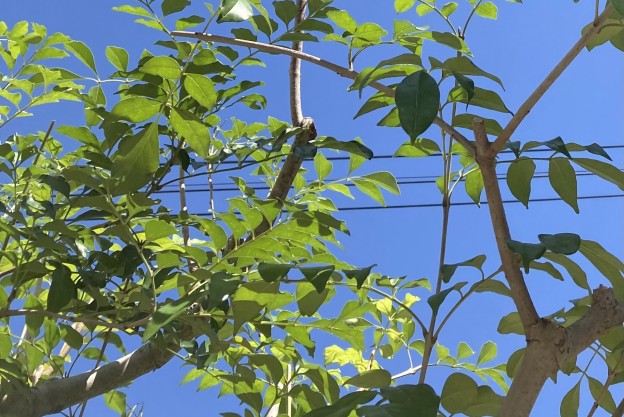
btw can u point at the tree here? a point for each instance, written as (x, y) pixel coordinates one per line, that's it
(92, 258)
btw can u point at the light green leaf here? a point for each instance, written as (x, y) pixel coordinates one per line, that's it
(574, 270)
(605, 262)
(136, 109)
(603, 170)
(202, 89)
(116, 401)
(474, 185)
(563, 180)
(401, 6)
(136, 159)
(156, 229)
(418, 148)
(235, 11)
(570, 403)
(487, 9)
(82, 52)
(192, 130)
(343, 20)
(118, 57)
(162, 66)
(510, 324)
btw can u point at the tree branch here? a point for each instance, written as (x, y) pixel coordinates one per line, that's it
(342, 71)
(511, 268)
(56, 395)
(541, 89)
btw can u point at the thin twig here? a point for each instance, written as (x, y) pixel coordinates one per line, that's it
(541, 89)
(296, 112)
(342, 71)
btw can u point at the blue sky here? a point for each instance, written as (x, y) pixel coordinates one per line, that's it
(585, 106)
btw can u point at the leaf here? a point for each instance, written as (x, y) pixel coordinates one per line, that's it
(487, 9)
(420, 147)
(116, 401)
(527, 251)
(487, 353)
(401, 6)
(235, 11)
(308, 299)
(570, 402)
(202, 89)
(318, 276)
(286, 10)
(375, 378)
(82, 52)
(608, 265)
(603, 170)
(618, 5)
(173, 6)
(437, 299)
(466, 83)
(486, 99)
(156, 229)
(162, 66)
(563, 180)
(192, 130)
(136, 109)
(448, 270)
(519, 178)
(510, 324)
(458, 393)
(359, 274)
(492, 127)
(62, 289)
(417, 99)
(343, 20)
(563, 243)
(548, 268)
(271, 272)
(474, 185)
(167, 313)
(574, 270)
(558, 145)
(601, 395)
(463, 65)
(136, 159)
(343, 406)
(118, 57)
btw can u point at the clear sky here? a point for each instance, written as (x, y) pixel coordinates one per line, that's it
(586, 105)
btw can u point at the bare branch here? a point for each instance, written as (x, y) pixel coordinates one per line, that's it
(541, 89)
(342, 71)
(295, 71)
(522, 298)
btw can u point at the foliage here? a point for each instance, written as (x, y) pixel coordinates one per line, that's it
(92, 257)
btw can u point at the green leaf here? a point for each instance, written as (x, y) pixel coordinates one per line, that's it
(487, 9)
(458, 393)
(548, 268)
(375, 378)
(136, 109)
(353, 146)
(510, 324)
(343, 20)
(449, 8)
(401, 6)
(527, 251)
(359, 274)
(167, 313)
(173, 6)
(118, 57)
(603, 170)
(62, 289)
(466, 83)
(202, 89)
(308, 299)
(82, 52)
(318, 276)
(601, 395)
(81, 134)
(162, 66)
(519, 178)
(343, 406)
(492, 127)
(463, 351)
(488, 352)
(563, 180)
(417, 98)
(570, 403)
(235, 11)
(474, 185)
(271, 272)
(463, 65)
(574, 270)
(116, 401)
(608, 265)
(138, 11)
(486, 99)
(286, 10)
(136, 159)
(420, 147)
(563, 243)
(436, 300)
(618, 5)
(322, 166)
(558, 145)
(448, 270)
(192, 130)
(156, 229)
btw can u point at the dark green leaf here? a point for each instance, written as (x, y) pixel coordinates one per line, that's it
(437, 299)
(308, 299)
(563, 243)
(286, 10)
(271, 272)
(191, 128)
(318, 276)
(136, 159)
(417, 98)
(527, 251)
(167, 313)
(466, 83)
(482, 98)
(62, 289)
(463, 65)
(359, 274)
(558, 145)
(173, 6)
